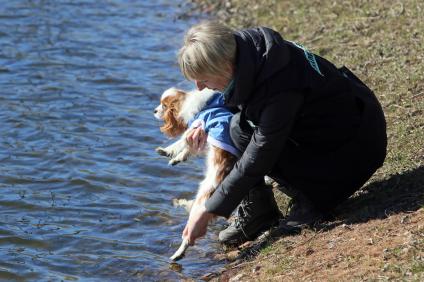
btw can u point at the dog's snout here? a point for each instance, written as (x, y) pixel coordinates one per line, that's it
(157, 112)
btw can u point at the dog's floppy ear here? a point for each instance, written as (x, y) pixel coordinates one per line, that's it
(171, 125)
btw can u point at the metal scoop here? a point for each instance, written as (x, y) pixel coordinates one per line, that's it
(179, 254)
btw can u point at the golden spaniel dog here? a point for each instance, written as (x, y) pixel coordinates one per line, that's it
(180, 110)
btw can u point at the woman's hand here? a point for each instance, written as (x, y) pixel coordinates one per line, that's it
(197, 223)
(196, 139)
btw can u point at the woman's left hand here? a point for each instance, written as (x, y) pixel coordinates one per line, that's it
(197, 223)
(196, 138)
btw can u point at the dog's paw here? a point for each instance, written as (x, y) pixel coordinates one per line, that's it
(179, 158)
(162, 151)
(174, 162)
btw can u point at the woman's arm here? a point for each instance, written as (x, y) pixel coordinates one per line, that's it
(197, 224)
(260, 156)
(262, 153)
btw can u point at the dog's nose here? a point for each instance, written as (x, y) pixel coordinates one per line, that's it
(155, 111)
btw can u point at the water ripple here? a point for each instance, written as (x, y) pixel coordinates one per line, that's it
(83, 195)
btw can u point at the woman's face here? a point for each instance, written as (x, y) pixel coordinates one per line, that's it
(212, 82)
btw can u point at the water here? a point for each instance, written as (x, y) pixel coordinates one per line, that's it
(84, 197)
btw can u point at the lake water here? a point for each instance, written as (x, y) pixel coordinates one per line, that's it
(84, 197)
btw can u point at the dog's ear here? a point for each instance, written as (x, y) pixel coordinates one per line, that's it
(170, 126)
(173, 124)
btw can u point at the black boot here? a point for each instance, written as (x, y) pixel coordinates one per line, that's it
(302, 213)
(257, 212)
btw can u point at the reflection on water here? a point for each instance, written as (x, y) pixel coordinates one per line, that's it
(83, 194)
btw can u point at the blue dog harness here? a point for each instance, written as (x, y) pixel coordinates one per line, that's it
(215, 119)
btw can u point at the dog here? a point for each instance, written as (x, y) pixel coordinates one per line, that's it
(181, 111)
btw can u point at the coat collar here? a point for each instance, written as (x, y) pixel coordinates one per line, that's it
(261, 52)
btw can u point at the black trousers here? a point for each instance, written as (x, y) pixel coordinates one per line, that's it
(328, 178)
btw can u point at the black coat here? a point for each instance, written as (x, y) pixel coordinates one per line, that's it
(317, 127)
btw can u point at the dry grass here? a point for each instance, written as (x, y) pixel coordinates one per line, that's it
(381, 249)
(378, 234)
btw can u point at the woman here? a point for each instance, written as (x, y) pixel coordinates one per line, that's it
(314, 128)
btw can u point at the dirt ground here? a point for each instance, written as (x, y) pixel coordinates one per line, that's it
(376, 250)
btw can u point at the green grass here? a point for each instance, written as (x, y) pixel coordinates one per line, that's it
(280, 266)
(266, 250)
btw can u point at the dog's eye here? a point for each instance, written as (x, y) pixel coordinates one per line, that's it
(164, 107)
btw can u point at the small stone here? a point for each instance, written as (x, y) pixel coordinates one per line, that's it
(247, 244)
(385, 267)
(175, 266)
(231, 256)
(220, 256)
(405, 219)
(236, 278)
(348, 227)
(256, 269)
(309, 251)
(208, 276)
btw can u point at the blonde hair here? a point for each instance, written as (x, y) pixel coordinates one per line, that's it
(209, 49)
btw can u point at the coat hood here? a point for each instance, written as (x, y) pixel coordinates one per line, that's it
(261, 52)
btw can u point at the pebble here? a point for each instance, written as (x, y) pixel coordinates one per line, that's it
(175, 267)
(348, 227)
(309, 251)
(236, 278)
(233, 255)
(208, 276)
(247, 244)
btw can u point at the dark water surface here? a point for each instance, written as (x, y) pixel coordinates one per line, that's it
(83, 194)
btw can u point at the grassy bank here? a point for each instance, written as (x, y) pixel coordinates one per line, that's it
(379, 233)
